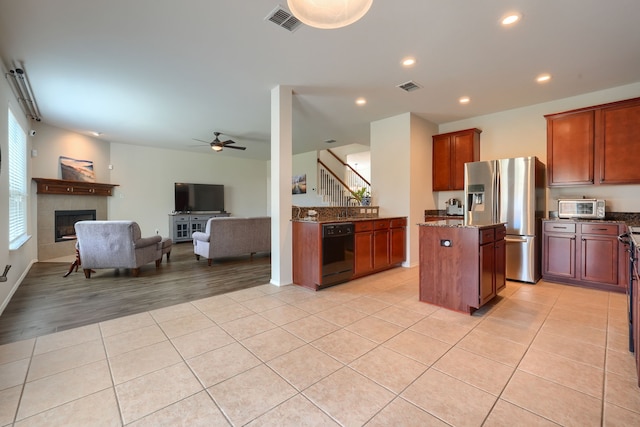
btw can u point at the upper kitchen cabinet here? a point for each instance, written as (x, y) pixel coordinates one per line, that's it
(593, 145)
(450, 152)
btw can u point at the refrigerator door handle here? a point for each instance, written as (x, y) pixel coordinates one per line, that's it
(496, 205)
(515, 240)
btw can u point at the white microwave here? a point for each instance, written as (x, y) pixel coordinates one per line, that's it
(581, 208)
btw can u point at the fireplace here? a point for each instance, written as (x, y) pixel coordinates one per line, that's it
(65, 221)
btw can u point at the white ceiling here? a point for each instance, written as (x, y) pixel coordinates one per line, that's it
(162, 72)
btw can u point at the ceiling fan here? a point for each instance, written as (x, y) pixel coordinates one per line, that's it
(217, 145)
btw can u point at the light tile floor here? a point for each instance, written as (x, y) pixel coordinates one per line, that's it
(363, 353)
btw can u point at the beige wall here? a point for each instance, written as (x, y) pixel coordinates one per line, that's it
(401, 172)
(146, 177)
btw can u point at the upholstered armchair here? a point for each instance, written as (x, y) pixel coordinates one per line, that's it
(115, 244)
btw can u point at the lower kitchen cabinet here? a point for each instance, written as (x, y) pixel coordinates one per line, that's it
(461, 268)
(397, 240)
(379, 244)
(559, 250)
(363, 248)
(585, 253)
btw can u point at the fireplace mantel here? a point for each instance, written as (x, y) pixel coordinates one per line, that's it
(77, 188)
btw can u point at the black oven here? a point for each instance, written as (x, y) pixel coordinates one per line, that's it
(337, 253)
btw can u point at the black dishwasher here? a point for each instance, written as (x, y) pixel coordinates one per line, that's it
(337, 253)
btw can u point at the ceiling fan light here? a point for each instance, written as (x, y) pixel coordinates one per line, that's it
(216, 148)
(329, 14)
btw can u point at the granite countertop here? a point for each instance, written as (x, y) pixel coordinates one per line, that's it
(632, 221)
(455, 223)
(339, 220)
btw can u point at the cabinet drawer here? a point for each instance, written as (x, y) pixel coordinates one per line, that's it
(606, 229)
(560, 227)
(381, 224)
(398, 222)
(487, 236)
(501, 232)
(363, 226)
(181, 218)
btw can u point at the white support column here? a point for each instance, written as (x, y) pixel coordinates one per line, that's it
(281, 174)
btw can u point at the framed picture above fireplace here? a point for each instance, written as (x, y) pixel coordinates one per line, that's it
(77, 170)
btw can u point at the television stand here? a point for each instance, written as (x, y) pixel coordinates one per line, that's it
(183, 225)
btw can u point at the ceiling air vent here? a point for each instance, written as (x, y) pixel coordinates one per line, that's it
(409, 86)
(283, 18)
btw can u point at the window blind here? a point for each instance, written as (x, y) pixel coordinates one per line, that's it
(18, 193)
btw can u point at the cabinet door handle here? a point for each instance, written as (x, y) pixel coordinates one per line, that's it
(560, 228)
(600, 229)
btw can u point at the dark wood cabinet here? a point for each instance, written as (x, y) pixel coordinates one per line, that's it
(599, 253)
(450, 152)
(461, 268)
(618, 141)
(492, 262)
(567, 135)
(75, 188)
(397, 240)
(500, 248)
(363, 248)
(584, 253)
(592, 145)
(487, 273)
(559, 250)
(380, 244)
(307, 254)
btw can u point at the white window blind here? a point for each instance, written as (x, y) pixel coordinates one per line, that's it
(18, 193)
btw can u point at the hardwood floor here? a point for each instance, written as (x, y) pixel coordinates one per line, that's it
(46, 302)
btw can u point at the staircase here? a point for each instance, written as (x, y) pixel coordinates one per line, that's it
(339, 189)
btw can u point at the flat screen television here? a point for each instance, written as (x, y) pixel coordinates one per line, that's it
(199, 197)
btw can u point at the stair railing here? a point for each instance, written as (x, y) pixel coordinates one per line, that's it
(333, 190)
(353, 180)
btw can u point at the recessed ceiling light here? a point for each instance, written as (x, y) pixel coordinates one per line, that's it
(408, 62)
(361, 101)
(464, 100)
(543, 78)
(510, 18)
(96, 133)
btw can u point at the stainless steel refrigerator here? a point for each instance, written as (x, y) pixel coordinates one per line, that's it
(510, 191)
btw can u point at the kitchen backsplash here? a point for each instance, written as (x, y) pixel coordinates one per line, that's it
(328, 213)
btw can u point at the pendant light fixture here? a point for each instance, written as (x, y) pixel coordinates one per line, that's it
(329, 14)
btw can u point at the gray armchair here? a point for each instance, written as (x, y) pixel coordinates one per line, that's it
(115, 244)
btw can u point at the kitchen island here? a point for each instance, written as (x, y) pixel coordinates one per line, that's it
(461, 267)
